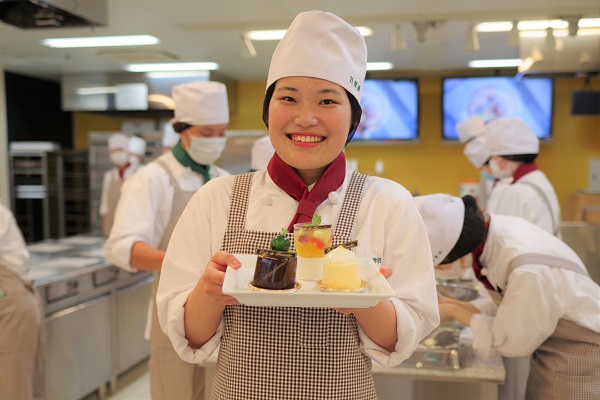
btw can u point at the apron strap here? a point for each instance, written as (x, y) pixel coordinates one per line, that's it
(540, 192)
(551, 261)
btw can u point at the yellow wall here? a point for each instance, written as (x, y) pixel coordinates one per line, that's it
(430, 166)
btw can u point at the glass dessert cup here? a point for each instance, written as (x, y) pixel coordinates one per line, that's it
(310, 242)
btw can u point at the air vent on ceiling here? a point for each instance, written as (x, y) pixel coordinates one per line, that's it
(30, 14)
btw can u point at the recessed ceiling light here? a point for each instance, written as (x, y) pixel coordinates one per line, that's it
(101, 41)
(379, 66)
(198, 66)
(539, 25)
(503, 63)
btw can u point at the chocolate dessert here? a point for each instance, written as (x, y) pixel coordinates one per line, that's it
(275, 270)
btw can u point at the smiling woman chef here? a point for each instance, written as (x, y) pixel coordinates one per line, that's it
(311, 109)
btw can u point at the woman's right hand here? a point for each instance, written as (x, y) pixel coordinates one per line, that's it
(214, 276)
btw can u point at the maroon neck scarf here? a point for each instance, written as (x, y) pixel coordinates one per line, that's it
(290, 182)
(477, 267)
(524, 170)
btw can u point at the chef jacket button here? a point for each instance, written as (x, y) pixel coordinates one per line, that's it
(266, 201)
(484, 271)
(333, 197)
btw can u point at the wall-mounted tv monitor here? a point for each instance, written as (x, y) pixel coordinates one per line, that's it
(390, 110)
(489, 98)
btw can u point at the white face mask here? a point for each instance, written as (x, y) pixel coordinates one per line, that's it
(119, 158)
(456, 269)
(498, 172)
(134, 161)
(206, 150)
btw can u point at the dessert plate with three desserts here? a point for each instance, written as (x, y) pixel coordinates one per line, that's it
(269, 278)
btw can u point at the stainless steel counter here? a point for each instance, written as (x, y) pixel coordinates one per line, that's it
(95, 316)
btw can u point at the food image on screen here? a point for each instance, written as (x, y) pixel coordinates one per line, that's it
(490, 98)
(390, 110)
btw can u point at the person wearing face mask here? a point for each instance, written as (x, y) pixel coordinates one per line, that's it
(471, 132)
(170, 137)
(311, 109)
(113, 179)
(513, 149)
(150, 205)
(137, 153)
(261, 153)
(550, 306)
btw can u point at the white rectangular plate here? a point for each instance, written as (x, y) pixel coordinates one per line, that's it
(309, 295)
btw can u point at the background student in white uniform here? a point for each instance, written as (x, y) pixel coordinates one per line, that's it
(261, 153)
(118, 152)
(513, 148)
(311, 109)
(471, 132)
(21, 317)
(137, 152)
(150, 205)
(550, 306)
(169, 138)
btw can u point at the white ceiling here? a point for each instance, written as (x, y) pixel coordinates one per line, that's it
(211, 30)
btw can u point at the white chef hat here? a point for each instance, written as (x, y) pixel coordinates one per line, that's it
(117, 141)
(262, 151)
(510, 136)
(476, 151)
(470, 128)
(137, 145)
(321, 45)
(170, 137)
(443, 216)
(201, 103)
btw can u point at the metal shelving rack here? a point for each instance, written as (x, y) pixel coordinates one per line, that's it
(37, 190)
(76, 192)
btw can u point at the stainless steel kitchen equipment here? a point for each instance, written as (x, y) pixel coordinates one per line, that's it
(442, 348)
(463, 291)
(95, 316)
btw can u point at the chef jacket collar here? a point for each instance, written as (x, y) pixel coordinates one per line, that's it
(523, 170)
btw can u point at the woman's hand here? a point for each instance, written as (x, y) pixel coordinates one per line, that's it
(211, 282)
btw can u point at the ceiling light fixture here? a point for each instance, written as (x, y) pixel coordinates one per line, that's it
(501, 63)
(398, 42)
(379, 66)
(101, 41)
(277, 34)
(513, 36)
(199, 66)
(177, 74)
(472, 43)
(573, 22)
(550, 41)
(248, 50)
(539, 25)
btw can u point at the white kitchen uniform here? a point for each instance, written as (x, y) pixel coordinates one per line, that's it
(22, 327)
(538, 301)
(387, 225)
(150, 205)
(533, 198)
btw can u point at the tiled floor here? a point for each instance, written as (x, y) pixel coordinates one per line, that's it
(139, 389)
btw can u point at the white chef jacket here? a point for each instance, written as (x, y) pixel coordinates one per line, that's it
(387, 224)
(110, 176)
(13, 249)
(537, 297)
(521, 200)
(145, 204)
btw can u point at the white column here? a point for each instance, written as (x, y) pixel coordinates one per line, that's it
(4, 173)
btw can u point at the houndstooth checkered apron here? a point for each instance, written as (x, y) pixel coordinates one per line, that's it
(567, 365)
(171, 378)
(285, 353)
(22, 338)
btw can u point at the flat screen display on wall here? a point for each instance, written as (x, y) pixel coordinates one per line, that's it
(489, 98)
(390, 110)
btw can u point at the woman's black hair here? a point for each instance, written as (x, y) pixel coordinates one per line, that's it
(180, 126)
(472, 234)
(526, 158)
(354, 107)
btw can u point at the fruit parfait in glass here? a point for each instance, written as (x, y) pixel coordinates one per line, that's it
(311, 240)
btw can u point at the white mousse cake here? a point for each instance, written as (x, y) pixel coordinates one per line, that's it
(341, 270)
